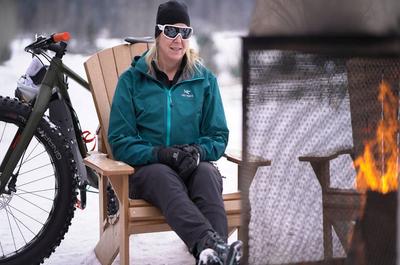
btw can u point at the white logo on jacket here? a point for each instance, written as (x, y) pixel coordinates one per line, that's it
(187, 93)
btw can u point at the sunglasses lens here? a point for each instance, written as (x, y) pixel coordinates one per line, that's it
(185, 32)
(170, 31)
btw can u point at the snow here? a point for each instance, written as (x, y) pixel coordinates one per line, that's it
(154, 248)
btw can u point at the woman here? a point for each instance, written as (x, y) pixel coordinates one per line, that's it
(168, 121)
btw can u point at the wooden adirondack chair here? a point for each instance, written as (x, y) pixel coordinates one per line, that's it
(135, 216)
(340, 207)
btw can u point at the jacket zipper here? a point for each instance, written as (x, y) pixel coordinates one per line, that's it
(169, 110)
(169, 106)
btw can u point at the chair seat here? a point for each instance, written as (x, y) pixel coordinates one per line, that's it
(140, 210)
(145, 218)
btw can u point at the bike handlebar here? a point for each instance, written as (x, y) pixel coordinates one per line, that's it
(61, 36)
(52, 43)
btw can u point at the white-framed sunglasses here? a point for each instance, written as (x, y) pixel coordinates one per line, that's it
(172, 31)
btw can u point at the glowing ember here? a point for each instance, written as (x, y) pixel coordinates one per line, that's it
(377, 168)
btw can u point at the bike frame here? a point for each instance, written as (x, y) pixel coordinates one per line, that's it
(54, 78)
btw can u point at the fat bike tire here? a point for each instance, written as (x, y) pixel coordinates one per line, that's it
(35, 218)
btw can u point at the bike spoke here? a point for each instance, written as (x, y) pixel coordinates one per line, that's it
(2, 133)
(28, 156)
(4, 201)
(24, 192)
(11, 230)
(26, 215)
(34, 169)
(1, 247)
(16, 219)
(16, 194)
(29, 182)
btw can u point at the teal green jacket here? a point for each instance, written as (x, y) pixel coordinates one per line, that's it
(146, 114)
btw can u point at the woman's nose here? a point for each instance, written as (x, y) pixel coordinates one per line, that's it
(178, 37)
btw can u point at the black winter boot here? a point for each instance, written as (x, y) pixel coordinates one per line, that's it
(215, 251)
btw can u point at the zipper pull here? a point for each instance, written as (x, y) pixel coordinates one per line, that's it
(171, 104)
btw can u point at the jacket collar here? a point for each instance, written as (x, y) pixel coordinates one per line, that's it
(162, 77)
(139, 63)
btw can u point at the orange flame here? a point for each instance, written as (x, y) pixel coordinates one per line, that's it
(380, 172)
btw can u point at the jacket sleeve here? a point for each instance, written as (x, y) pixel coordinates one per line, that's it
(123, 136)
(214, 130)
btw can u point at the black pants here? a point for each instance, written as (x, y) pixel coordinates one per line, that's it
(191, 208)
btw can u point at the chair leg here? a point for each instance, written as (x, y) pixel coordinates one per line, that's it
(124, 233)
(121, 187)
(102, 203)
(108, 246)
(328, 248)
(247, 173)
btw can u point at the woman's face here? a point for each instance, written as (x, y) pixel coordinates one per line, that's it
(172, 50)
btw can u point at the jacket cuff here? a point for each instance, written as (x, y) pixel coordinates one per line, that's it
(154, 153)
(201, 151)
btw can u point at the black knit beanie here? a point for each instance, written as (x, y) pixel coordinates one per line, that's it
(171, 12)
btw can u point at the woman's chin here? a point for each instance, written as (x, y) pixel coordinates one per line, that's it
(176, 56)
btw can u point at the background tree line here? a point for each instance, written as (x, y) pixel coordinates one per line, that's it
(89, 19)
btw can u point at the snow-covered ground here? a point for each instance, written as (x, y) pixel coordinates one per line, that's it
(156, 248)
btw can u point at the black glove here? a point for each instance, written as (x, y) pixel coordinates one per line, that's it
(182, 159)
(193, 150)
(171, 156)
(190, 163)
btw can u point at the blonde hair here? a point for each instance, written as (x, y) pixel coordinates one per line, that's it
(192, 64)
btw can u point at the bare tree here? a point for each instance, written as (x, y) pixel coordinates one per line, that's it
(8, 29)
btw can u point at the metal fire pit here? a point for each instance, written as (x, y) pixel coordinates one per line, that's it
(311, 99)
(374, 238)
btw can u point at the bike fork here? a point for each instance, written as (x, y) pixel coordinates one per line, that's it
(22, 140)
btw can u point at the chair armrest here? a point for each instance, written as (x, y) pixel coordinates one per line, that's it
(236, 157)
(327, 155)
(105, 166)
(320, 163)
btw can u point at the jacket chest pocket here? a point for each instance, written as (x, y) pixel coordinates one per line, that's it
(187, 107)
(149, 106)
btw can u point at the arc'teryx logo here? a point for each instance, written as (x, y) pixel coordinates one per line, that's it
(187, 93)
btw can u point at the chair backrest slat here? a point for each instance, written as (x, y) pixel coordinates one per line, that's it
(99, 93)
(109, 69)
(123, 57)
(103, 70)
(138, 48)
